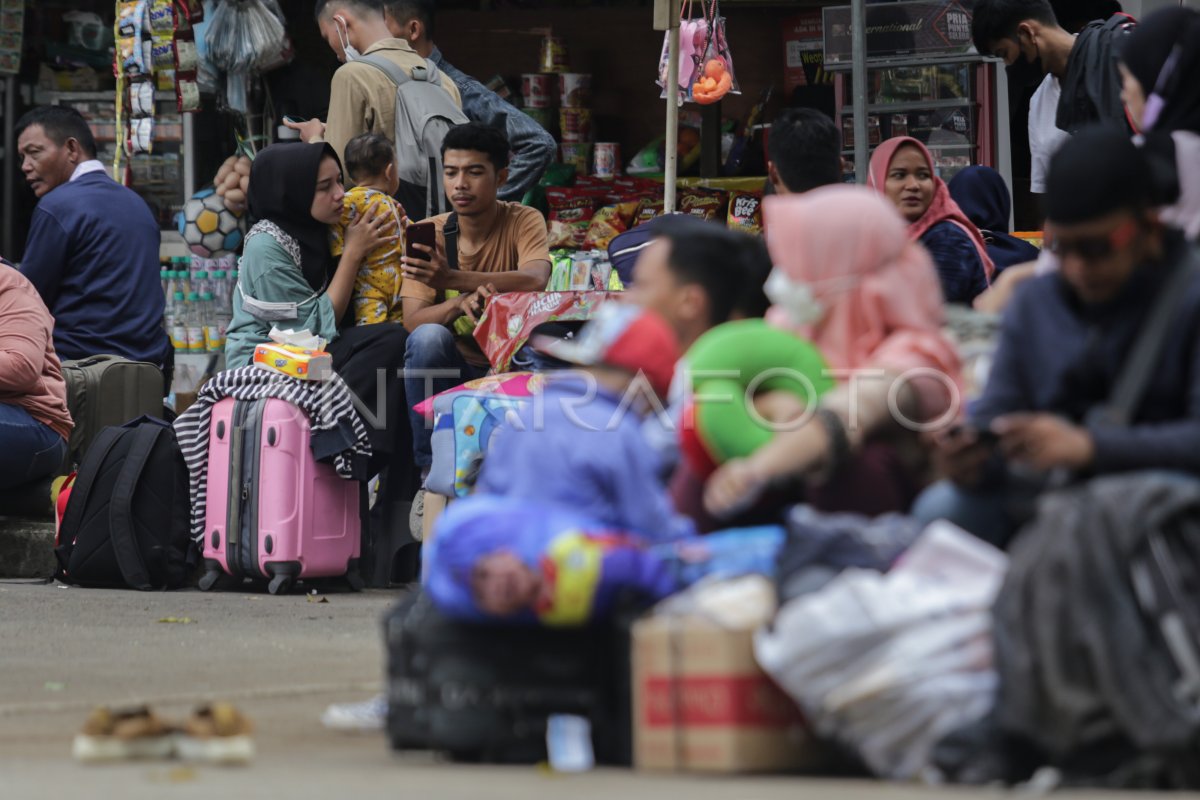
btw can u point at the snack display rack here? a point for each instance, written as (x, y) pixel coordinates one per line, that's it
(923, 79)
(165, 177)
(957, 108)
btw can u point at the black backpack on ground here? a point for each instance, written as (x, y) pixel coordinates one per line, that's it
(484, 692)
(126, 520)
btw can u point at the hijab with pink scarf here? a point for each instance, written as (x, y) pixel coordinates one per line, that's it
(941, 209)
(859, 288)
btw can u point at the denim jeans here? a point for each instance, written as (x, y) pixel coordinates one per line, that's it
(431, 348)
(993, 513)
(28, 449)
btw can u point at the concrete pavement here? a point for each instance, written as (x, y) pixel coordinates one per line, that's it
(282, 659)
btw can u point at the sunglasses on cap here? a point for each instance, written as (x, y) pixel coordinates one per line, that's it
(1094, 248)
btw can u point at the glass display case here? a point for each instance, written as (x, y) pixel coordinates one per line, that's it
(948, 107)
(923, 80)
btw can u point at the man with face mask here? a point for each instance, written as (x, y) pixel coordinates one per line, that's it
(362, 98)
(1058, 401)
(1081, 84)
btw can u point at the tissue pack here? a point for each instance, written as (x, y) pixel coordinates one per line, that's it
(298, 362)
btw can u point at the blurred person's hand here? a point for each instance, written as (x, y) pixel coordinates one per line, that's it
(1000, 293)
(734, 487)
(473, 303)
(311, 131)
(960, 455)
(1044, 441)
(433, 270)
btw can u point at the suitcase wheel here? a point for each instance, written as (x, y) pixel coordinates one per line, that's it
(280, 584)
(209, 580)
(357, 584)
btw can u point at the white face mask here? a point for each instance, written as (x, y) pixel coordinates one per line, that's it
(796, 299)
(344, 37)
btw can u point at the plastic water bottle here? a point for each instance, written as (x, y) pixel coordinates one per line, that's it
(179, 333)
(222, 307)
(200, 283)
(195, 324)
(214, 333)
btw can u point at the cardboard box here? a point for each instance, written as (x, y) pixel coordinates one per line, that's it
(298, 362)
(701, 702)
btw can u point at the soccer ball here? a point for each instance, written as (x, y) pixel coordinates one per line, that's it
(209, 227)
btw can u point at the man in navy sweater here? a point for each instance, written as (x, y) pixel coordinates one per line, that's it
(93, 244)
(1066, 343)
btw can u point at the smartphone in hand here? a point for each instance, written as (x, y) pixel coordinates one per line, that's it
(420, 233)
(983, 436)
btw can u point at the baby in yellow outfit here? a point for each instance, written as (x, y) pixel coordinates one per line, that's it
(371, 164)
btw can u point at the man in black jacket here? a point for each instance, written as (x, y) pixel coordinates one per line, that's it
(1048, 409)
(1085, 65)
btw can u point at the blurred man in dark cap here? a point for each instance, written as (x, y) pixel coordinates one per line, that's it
(1097, 370)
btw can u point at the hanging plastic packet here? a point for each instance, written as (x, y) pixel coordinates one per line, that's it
(141, 136)
(187, 94)
(162, 51)
(714, 62)
(130, 18)
(187, 59)
(246, 36)
(692, 35)
(141, 99)
(191, 13)
(130, 55)
(162, 16)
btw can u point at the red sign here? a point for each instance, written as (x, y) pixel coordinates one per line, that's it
(717, 701)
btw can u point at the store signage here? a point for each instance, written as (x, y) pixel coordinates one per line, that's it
(803, 52)
(901, 29)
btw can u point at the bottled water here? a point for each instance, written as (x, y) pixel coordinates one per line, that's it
(195, 324)
(179, 333)
(214, 333)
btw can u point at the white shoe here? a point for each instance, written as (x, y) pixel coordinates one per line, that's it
(366, 717)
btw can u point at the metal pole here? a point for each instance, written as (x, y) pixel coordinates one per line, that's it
(187, 152)
(10, 161)
(671, 168)
(858, 26)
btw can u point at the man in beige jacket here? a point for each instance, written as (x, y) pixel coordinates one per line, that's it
(362, 99)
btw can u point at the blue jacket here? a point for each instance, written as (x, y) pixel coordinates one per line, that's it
(1056, 355)
(533, 147)
(589, 455)
(92, 253)
(958, 265)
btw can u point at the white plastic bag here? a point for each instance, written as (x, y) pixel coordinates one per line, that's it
(890, 663)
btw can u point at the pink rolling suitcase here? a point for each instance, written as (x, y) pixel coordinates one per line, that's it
(273, 512)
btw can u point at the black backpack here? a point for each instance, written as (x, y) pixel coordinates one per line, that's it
(126, 520)
(483, 693)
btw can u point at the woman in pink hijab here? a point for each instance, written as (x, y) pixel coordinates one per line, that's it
(848, 278)
(902, 170)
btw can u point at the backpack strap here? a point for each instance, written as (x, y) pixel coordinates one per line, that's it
(1141, 361)
(394, 71)
(450, 235)
(85, 479)
(120, 510)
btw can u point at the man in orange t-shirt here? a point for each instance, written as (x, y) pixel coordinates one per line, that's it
(499, 247)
